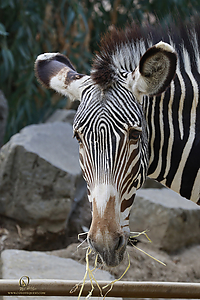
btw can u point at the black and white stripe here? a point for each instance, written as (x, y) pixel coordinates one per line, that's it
(174, 125)
(106, 154)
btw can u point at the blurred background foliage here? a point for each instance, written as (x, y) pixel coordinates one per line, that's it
(74, 28)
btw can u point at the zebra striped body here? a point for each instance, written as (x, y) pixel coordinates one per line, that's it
(174, 130)
(129, 125)
(172, 118)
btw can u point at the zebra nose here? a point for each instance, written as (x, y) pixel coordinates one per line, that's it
(119, 243)
(111, 253)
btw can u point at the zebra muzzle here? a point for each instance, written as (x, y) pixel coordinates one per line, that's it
(111, 253)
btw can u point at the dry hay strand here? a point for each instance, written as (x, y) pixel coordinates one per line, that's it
(137, 234)
(92, 278)
(90, 272)
(111, 284)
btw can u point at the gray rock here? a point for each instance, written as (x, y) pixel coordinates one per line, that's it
(172, 221)
(39, 173)
(3, 116)
(38, 265)
(62, 115)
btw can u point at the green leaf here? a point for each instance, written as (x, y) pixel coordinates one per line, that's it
(84, 18)
(5, 61)
(11, 59)
(70, 18)
(3, 30)
(23, 49)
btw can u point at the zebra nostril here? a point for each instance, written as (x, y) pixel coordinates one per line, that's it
(120, 243)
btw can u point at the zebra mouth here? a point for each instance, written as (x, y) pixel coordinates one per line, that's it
(110, 256)
(111, 259)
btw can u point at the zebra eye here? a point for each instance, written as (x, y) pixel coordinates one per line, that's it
(134, 134)
(77, 136)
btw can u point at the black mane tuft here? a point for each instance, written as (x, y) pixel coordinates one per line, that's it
(103, 70)
(120, 50)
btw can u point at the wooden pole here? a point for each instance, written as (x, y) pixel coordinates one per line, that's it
(125, 289)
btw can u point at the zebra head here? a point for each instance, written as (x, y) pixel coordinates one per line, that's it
(111, 130)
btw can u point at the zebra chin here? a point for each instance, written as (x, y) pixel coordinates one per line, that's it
(110, 255)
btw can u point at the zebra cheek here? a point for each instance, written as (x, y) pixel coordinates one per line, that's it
(127, 203)
(125, 213)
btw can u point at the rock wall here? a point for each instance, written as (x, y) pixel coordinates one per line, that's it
(40, 175)
(171, 221)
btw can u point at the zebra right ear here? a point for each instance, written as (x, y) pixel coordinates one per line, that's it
(55, 71)
(155, 72)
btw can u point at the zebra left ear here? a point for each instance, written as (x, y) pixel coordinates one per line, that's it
(55, 71)
(156, 70)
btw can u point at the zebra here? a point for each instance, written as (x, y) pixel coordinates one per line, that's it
(139, 116)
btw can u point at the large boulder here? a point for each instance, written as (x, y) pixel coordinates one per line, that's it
(40, 175)
(38, 265)
(172, 221)
(3, 116)
(62, 115)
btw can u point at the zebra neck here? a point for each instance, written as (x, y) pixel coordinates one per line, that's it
(172, 123)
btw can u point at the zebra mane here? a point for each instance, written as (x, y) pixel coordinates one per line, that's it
(116, 55)
(121, 50)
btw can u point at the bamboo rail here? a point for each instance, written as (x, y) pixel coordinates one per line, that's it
(124, 289)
